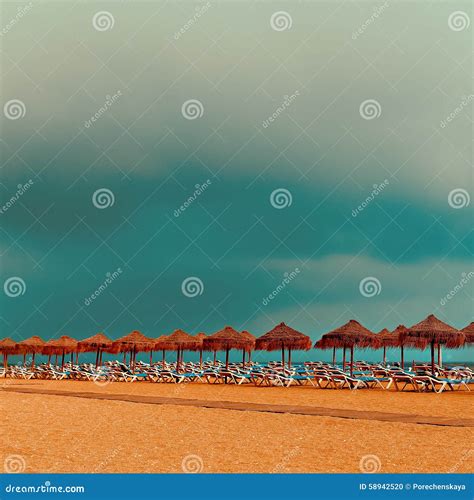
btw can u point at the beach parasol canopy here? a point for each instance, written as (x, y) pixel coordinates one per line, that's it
(7, 347)
(350, 335)
(226, 339)
(179, 341)
(432, 331)
(283, 337)
(133, 342)
(31, 345)
(98, 343)
(63, 345)
(469, 333)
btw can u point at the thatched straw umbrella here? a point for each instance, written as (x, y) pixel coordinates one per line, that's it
(225, 340)
(31, 346)
(430, 332)
(469, 333)
(180, 341)
(62, 346)
(133, 342)
(253, 339)
(385, 338)
(98, 342)
(283, 337)
(348, 336)
(7, 347)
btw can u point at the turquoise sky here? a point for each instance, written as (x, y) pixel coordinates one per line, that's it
(102, 89)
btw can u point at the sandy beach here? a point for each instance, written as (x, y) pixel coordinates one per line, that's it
(138, 433)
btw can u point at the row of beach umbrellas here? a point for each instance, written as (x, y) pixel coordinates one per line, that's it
(431, 332)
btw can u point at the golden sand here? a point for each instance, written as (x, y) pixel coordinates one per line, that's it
(68, 434)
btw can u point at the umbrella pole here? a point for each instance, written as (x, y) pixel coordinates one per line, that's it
(243, 358)
(384, 357)
(177, 360)
(33, 361)
(352, 360)
(344, 359)
(151, 358)
(97, 358)
(24, 358)
(62, 361)
(100, 357)
(227, 359)
(282, 356)
(163, 359)
(72, 358)
(432, 358)
(200, 359)
(333, 356)
(77, 357)
(250, 356)
(289, 357)
(215, 354)
(402, 360)
(440, 360)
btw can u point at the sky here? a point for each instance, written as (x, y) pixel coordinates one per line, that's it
(195, 165)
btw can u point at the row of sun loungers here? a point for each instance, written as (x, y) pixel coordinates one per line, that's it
(317, 374)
